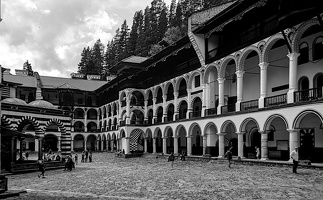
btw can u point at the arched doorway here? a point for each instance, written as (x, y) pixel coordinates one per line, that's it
(91, 143)
(50, 143)
(197, 141)
(169, 141)
(159, 142)
(78, 143)
(182, 143)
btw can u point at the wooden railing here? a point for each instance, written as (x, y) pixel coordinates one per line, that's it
(211, 111)
(249, 105)
(308, 95)
(276, 100)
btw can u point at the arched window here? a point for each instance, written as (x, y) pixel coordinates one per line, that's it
(303, 50)
(318, 48)
(303, 83)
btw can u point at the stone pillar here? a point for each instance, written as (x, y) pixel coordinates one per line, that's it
(264, 145)
(13, 149)
(175, 106)
(189, 145)
(263, 84)
(165, 145)
(118, 144)
(21, 139)
(239, 74)
(85, 121)
(145, 145)
(292, 76)
(154, 145)
(85, 145)
(154, 110)
(204, 144)
(164, 108)
(40, 147)
(111, 145)
(189, 105)
(127, 146)
(221, 144)
(72, 145)
(146, 111)
(59, 144)
(240, 144)
(293, 140)
(221, 94)
(175, 145)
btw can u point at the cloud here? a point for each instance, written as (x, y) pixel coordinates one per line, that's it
(52, 34)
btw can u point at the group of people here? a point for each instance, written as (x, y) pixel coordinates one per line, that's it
(86, 155)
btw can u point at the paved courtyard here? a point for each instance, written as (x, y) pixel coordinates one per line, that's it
(149, 178)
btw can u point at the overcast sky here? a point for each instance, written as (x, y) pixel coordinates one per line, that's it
(51, 34)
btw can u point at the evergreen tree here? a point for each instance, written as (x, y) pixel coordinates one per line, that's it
(135, 30)
(109, 58)
(122, 42)
(163, 23)
(171, 14)
(83, 63)
(144, 38)
(28, 68)
(96, 61)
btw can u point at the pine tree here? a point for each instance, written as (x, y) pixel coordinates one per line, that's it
(82, 64)
(171, 14)
(144, 38)
(135, 30)
(123, 41)
(28, 68)
(163, 23)
(96, 62)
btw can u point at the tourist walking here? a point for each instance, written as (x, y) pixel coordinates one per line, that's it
(86, 155)
(171, 159)
(228, 154)
(90, 156)
(257, 152)
(75, 158)
(41, 166)
(83, 156)
(294, 156)
(26, 155)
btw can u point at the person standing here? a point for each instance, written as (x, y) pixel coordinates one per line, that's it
(26, 154)
(294, 156)
(228, 154)
(257, 152)
(90, 156)
(41, 167)
(76, 158)
(171, 159)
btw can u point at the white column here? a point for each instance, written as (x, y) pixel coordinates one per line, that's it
(293, 140)
(221, 94)
(240, 144)
(264, 145)
(85, 145)
(145, 145)
(111, 145)
(221, 144)
(189, 145)
(204, 144)
(154, 145)
(154, 110)
(102, 145)
(146, 111)
(164, 108)
(72, 146)
(165, 145)
(175, 105)
(127, 110)
(292, 76)
(59, 144)
(204, 103)
(127, 146)
(175, 145)
(263, 83)
(239, 89)
(189, 105)
(85, 121)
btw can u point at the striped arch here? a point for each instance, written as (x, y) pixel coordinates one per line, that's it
(65, 136)
(301, 115)
(244, 55)
(6, 122)
(191, 128)
(58, 123)
(225, 125)
(271, 119)
(38, 130)
(191, 78)
(269, 44)
(245, 122)
(178, 128)
(224, 65)
(208, 125)
(207, 71)
(303, 27)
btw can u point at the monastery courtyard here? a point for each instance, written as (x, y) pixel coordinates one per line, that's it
(108, 177)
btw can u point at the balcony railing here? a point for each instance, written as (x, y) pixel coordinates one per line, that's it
(276, 100)
(211, 111)
(249, 105)
(136, 122)
(308, 95)
(169, 119)
(228, 108)
(180, 116)
(195, 114)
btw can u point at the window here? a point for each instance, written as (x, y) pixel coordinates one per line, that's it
(318, 48)
(303, 50)
(197, 81)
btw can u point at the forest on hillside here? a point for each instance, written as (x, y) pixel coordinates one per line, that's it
(155, 23)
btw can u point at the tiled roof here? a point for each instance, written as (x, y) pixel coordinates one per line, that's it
(56, 82)
(26, 81)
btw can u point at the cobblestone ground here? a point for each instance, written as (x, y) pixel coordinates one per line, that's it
(149, 178)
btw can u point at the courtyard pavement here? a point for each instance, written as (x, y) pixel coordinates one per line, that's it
(108, 177)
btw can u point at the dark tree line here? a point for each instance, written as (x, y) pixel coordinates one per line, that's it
(156, 23)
